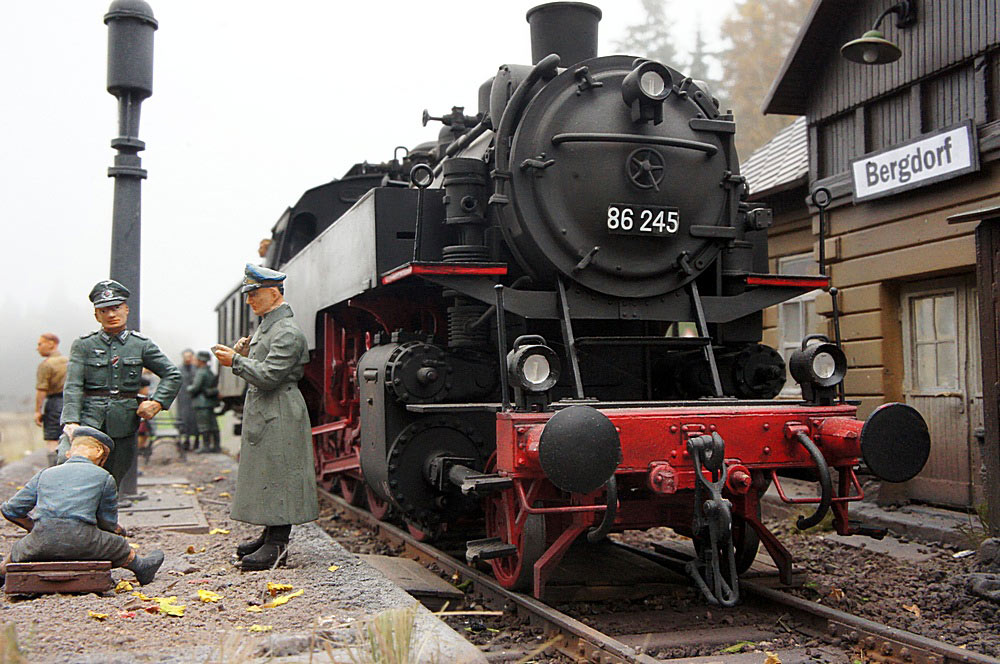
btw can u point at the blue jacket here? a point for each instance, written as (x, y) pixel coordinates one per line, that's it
(78, 489)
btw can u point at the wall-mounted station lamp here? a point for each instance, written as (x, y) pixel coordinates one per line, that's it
(873, 48)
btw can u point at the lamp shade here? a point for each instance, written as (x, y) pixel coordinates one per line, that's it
(871, 49)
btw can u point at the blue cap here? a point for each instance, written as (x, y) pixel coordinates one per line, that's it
(108, 293)
(255, 276)
(97, 434)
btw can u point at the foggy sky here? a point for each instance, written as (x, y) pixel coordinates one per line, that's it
(253, 103)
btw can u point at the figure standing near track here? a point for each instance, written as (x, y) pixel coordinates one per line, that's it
(49, 391)
(276, 485)
(204, 391)
(103, 380)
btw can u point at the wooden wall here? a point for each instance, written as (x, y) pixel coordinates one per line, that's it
(872, 249)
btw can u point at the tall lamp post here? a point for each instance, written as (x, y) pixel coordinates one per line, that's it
(130, 79)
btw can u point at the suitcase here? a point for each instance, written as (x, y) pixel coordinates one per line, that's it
(75, 576)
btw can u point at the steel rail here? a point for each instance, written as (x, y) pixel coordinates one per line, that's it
(578, 640)
(892, 644)
(581, 641)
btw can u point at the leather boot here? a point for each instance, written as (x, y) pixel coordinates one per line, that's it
(271, 553)
(145, 568)
(216, 442)
(248, 547)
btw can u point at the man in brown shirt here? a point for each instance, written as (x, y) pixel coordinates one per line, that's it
(48, 391)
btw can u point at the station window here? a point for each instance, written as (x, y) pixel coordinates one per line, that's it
(796, 317)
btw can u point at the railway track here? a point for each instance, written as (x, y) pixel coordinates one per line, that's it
(801, 631)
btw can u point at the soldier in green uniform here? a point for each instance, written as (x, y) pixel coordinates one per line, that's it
(102, 382)
(276, 485)
(204, 390)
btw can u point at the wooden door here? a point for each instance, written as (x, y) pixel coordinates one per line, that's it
(940, 381)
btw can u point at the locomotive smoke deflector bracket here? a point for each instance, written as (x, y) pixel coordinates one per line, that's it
(644, 90)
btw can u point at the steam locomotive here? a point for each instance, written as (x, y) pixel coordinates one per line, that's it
(498, 327)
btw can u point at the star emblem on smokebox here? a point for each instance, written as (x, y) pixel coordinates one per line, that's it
(645, 168)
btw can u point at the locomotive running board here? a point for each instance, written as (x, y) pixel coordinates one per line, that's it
(487, 549)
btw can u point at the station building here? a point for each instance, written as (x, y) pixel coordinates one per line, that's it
(900, 147)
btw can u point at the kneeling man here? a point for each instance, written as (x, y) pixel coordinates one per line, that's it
(76, 512)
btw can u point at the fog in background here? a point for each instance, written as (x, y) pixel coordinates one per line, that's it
(253, 103)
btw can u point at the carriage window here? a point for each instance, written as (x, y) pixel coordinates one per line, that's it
(797, 317)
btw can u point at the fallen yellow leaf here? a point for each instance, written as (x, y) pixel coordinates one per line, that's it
(218, 531)
(179, 486)
(226, 471)
(259, 628)
(189, 492)
(333, 568)
(912, 608)
(772, 658)
(238, 627)
(837, 595)
(254, 609)
(208, 596)
(97, 616)
(134, 546)
(224, 494)
(199, 488)
(275, 588)
(141, 596)
(123, 587)
(283, 599)
(167, 606)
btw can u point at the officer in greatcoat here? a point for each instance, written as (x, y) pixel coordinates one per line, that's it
(204, 392)
(103, 379)
(276, 485)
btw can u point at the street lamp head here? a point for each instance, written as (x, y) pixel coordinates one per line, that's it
(130, 48)
(872, 48)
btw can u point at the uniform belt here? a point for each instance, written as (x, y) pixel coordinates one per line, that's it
(109, 393)
(54, 394)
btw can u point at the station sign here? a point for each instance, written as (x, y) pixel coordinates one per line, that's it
(943, 154)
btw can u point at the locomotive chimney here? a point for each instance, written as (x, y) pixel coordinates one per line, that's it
(568, 29)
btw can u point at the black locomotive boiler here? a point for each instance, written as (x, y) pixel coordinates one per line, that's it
(498, 326)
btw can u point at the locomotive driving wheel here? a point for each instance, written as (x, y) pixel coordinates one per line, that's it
(350, 490)
(504, 519)
(376, 505)
(746, 541)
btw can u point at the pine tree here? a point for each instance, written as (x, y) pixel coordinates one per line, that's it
(760, 34)
(699, 67)
(651, 37)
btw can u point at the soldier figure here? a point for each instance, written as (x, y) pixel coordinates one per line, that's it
(187, 427)
(102, 384)
(204, 390)
(276, 486)
(49, 391)
(76, 512)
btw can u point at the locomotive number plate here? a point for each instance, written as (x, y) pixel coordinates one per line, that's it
(649, 220)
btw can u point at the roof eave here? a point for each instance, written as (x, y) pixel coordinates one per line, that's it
(781, 105)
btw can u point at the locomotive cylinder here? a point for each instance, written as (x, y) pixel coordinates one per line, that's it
(568, 29)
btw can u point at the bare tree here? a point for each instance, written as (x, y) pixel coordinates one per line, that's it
(760, 34)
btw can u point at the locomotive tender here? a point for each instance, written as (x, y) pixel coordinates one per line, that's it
(493, 323)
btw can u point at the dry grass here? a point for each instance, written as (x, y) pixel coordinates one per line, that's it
(388, 639)
(10, 651)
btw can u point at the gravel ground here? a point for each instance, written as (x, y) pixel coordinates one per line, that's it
(58, 629)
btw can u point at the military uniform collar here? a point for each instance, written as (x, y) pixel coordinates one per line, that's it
(274, 315)
(106, 338)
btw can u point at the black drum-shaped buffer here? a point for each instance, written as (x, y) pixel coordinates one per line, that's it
(895, 442)
(579, 449)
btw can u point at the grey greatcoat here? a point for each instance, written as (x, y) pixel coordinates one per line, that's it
(276, 484)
